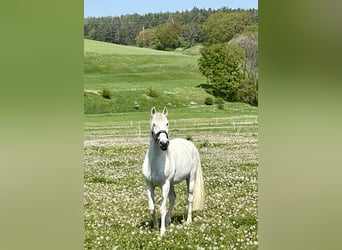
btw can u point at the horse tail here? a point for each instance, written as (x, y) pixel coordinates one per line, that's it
(199, 196)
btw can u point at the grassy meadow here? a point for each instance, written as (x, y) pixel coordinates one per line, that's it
(130, 73)
(116, 139)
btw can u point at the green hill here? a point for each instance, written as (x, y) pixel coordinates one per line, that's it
(138, 78)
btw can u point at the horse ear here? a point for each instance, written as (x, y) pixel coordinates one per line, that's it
(165, 112)
(153, 111)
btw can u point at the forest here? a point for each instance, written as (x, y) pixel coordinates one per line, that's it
(125, 29)
(229, 57)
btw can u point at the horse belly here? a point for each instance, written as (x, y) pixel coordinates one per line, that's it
(182, 172)
(182, 168)
(181, 154)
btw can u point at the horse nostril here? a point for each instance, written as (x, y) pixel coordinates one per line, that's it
(164, 145)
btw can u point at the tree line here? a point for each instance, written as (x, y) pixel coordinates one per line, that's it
(125, 29)
(229, 59)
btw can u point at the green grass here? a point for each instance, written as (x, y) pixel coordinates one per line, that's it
(203, 121)
(116, 212)
(128, 72)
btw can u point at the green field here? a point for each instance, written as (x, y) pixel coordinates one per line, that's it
(116, 139)
(128, 73)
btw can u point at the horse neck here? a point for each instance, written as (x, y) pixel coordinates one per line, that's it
(154, 149)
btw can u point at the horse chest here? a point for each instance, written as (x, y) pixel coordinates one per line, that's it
(158, 173)
(159, 170)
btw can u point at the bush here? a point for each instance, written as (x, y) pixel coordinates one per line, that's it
(151, 92)
(209, 101)
(136, 105)
(220, 103)
(248, 90)
(106, 94)
(204, 144)
(221, 65)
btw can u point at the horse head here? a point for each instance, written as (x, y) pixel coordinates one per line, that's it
(160, 127)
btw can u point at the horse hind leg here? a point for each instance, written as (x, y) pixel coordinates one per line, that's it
(172, 199)
(191, 184)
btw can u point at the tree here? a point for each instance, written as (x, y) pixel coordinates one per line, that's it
(248, 40)
(221, 27)
(168, 36)
(146, 38)
(222, 64)
(248, 90)
(191, 32)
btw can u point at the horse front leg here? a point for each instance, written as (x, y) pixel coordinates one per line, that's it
(150, 197)
(165, 193)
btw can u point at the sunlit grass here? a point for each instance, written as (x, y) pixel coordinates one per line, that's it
(116, 212)
(128, 72)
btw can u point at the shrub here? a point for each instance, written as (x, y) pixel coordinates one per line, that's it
(204, 144)
(151, 92)
(220, 103)
(209, 101)
(136, 105)
(248, 90)
(222, 65)
(106, 94)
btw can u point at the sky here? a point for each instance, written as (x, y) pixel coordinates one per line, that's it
(97, 8)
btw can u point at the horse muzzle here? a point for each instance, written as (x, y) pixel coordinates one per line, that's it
(164, 145)
(163, 139)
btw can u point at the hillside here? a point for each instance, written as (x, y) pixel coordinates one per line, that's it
(139, 78)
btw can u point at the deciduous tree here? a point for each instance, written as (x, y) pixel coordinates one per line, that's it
(168, 36)
(221, 27)
(146, 38)
(222, 64)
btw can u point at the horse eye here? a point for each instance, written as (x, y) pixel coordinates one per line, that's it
(167, 124)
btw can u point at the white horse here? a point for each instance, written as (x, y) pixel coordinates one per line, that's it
(168, 163)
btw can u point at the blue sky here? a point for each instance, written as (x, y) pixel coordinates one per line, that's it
(98, 8)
